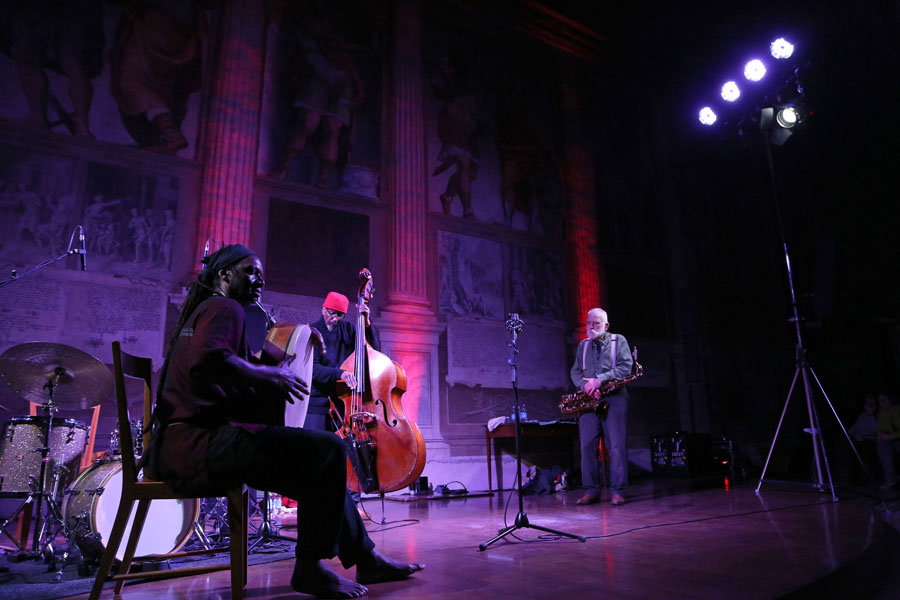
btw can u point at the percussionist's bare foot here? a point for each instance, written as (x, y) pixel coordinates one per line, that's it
(315, 579)
(376, 567)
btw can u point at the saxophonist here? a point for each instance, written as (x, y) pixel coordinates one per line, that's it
(602, 357)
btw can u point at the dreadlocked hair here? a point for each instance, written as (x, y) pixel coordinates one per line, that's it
(199, 290)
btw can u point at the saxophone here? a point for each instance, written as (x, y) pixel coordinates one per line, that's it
(581, 401)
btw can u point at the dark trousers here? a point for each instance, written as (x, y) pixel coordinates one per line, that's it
(308, 466)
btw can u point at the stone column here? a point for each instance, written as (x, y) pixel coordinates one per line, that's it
(586, 278)
(405, 166)
(231, 129)
(409, 329)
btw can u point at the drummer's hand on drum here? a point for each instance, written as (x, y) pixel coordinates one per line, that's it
(349, 378)
(287, 381)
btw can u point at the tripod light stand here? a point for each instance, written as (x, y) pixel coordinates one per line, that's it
(804, 372)
(514, 326)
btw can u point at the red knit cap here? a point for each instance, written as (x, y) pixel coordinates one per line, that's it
(336, 301)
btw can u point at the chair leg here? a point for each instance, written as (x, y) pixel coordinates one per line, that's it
(237, 526)
(112, 546)
(245, 520)
(137, 527)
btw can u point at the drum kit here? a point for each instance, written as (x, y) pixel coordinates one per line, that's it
(40, 458)
(40, 454)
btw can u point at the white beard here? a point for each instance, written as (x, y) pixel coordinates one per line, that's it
(595, 334)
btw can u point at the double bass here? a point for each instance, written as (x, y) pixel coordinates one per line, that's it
(386, 450)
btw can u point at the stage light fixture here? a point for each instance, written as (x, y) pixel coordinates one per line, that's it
(754, 70)
(781, 49)
(780, 122)
(730, 91)
(787, 117)
(707, 116)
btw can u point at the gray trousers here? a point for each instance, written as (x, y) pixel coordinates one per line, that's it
(612, 429)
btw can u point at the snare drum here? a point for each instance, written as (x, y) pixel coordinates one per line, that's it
(169, 522)
(20, 457)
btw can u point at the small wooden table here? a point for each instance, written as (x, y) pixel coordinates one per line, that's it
(529, 430)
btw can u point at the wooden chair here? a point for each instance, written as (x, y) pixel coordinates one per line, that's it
(143, 491)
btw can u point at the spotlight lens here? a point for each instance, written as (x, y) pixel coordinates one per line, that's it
(754, 70)
(707, 116)
(781, 48)
(730, 92)
(787, 117)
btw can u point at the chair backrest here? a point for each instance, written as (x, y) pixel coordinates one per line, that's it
(140, 368)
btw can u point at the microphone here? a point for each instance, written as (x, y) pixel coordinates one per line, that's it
(83, 254)
(206, 251)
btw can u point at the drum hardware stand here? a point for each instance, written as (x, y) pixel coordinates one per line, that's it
(822, 481)
(48, 520)
(514, 326)
(267, 533)
(217, 513)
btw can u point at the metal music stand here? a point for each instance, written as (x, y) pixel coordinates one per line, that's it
(804, 371)
(514, 326)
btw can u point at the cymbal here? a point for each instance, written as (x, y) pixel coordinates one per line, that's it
(79, 380)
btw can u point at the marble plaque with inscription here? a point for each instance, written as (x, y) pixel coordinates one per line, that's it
(478, 354)
(87, 311)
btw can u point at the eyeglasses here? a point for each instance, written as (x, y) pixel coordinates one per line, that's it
(335, 313)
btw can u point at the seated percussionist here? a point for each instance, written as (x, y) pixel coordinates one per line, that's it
(209, 433)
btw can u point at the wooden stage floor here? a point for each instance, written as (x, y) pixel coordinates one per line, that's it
(671, 540)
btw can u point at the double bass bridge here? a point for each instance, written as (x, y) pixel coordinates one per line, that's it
(363, 417)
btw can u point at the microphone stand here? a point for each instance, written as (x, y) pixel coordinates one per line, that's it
(14, 276)
(514, 326)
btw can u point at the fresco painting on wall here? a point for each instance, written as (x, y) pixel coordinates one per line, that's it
(311, 250)
(489, 138)
(64, 37)
(534, 283)
(530, 187)
(129, 219)
(471, 276)
(101, 70)
(323, 88)
(155, 67)
(458, 130)
(38, 206)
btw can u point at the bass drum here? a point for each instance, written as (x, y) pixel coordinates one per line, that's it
(93, 505)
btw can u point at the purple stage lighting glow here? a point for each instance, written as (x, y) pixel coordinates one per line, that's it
(730, 92)
(781, 48)
(707, 116)
(754, 70)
